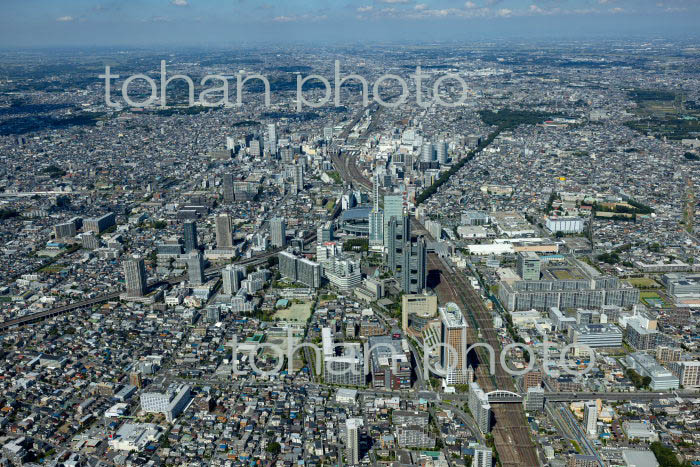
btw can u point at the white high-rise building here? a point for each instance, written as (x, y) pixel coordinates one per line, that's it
(278, 232)
(352, 429)
(480, 407)
(590, 418)
(376, 216)
(483, 457)
(271, 138)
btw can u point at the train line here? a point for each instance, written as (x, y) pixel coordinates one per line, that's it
(511, 432)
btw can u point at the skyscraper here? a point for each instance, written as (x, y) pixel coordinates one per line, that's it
(353, 441)
(413, 272)
(271, 139)
(441, 151)
(299, 176)
(453, 334)
(224, 236)
(278, 232)
(480, 407)
(228, 188)
(376, 216)
(195, 268)
(191, 236)
(135, 277)
(231, 276)
(393, 207)
(426, 153)
(590, 418)
(397, 234)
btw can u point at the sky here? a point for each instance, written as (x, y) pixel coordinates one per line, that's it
(40, 23)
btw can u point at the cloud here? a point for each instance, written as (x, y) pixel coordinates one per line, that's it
(470, 5)
(157, 19)
(64, 19)
(179, 2)
(297, 18)
(365, 9)
(396, 2)
(420, 6)
(504, 12)
(617, 10)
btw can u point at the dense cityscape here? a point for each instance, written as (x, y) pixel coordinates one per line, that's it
(385, 270)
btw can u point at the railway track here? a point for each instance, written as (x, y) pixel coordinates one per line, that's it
(511, 432)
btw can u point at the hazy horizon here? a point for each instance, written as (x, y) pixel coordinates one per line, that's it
(42, 23)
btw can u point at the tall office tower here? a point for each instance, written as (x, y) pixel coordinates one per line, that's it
(299, 176)
(191, 243)
(195, 268)
(413, 272)
(442, 152)
(231, 276)
(324, 233)
(353, 441)
(483, 457)
(376, 228)
(426, 152)
(480, 407)
(528, 266)
(590, 418)
(135, 277)
(271, 137)
(278, 232)
(228, 188)
(224, 236)
(398, 233)
(393, 207)
(453, 333)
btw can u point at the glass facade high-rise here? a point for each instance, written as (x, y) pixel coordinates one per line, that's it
(393, 208)
(191, 243)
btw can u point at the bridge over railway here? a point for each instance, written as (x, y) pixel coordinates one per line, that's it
(500, 396)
